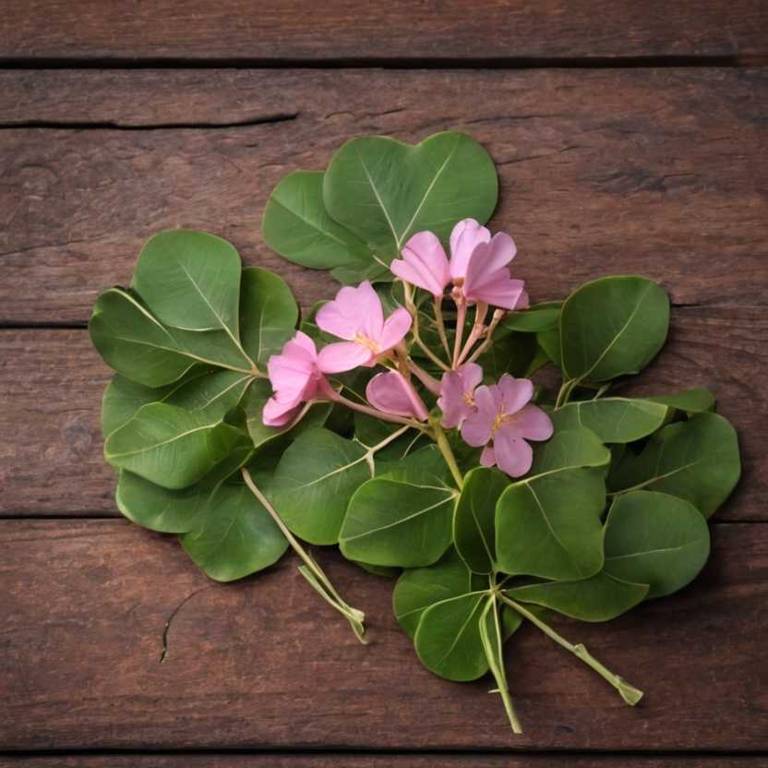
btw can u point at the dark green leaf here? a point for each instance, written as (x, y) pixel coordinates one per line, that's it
(655, 539)
(697, 460)
(691, 401)
(569, 448)
(613, 419)
(611, 327)
(536, 319)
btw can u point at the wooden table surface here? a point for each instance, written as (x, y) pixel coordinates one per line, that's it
(630, 137)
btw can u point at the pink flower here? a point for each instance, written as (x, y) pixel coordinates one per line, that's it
(392, 393)
(424, 263)
(487, 278)
(356, 314)
(465, 237)
(457, 393)
(503, 421)
(295, 379)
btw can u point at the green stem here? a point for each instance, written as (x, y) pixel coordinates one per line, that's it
(445, 449)
(310, 570)
(498, 314)
(628, 693)
(565, 392)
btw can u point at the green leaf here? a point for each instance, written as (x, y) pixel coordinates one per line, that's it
(402, 518)
(613, 419)
(536, 319)
(419, 588)
(600, 598)
(570, 448)
(549, 344)
(549, 525)
(298, 227)
(169, 446)
(697, 460)
(190, 280)
(655, 539)
(133, 342)
(611, 327)
(235, 536)
(384, 191)
(690, 401)
(315, 480)
(448, 640)
(174, 511)
(511, 353)
(268, 313)
(474, 518)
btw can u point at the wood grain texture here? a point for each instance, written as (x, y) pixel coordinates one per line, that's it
(659, 172)
(338, 760)
(382, 29)
(52, 380)
(263, 663)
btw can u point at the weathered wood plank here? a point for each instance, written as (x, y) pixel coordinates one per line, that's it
(660, 172)
(397, 29)
(52, 382)
(340, 760)
(264, 663)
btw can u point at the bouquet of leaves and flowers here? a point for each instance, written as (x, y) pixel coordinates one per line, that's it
(412, 420)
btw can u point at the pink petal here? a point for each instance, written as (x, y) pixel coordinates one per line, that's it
(488, 456)
(305, 342)
(513, 455)
(499, 291)
(477, 428)
(466, 236)
(352, 312)
(391, 393)
(424, 263)
(498, 253)
(394, 330)
(532, 423)
(278, 414)
(344, 356)
(451, 401)
(515, 393)
(471, 376)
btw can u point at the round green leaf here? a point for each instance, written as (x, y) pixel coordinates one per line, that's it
(473, 519)
(133, 342)
(655, 539)
(569, 448)
(611, 327)
(613, 419)
(234, 536)
(384, 191)
(690, 401)
(298, 227)
(315, 480)
(600, 598)
(169, 446)
(190, 280)
(549, 525)
(418, 588)
(697, 460)
(536, 319)
(268, 313)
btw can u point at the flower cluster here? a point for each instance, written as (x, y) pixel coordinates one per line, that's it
(497, 417)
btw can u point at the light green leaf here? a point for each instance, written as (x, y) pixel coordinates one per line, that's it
(384, 191)
(190, 280)
(570, 448)
(268, 314)
(298, 227)
(600, 598)
(611, 327)
(536, 319)
(697, 460)
(418, 588)
(613, 419)
(169, 446)
(690, 401)
(474, 518)
(174, 511)
(133, 342)
(314, 481)
(549, 525)
(655, 539)
(234, 536)
(402, 518)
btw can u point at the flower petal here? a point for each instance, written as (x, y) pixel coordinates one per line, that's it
(513, 455)
(277, 414)
(532, 423)
(477, 428)
(391, 393)
(515, 393)
(471, 376)
(344, 356)
(488, 456)
(353, 311)
(424, 263)
(466, 236)
(395, 328)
